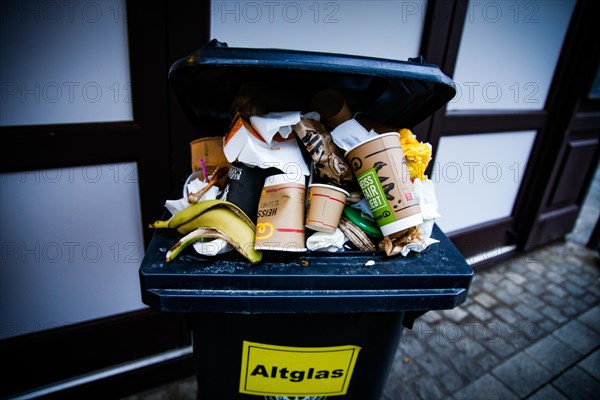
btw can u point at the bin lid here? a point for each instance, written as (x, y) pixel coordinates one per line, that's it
(400, 93)
(312, 282)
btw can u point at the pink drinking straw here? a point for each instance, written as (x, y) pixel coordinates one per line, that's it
(204, 170)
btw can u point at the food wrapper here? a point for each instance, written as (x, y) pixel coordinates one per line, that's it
(271, 124)
(266, 149)
(417, 154)
(328, 159)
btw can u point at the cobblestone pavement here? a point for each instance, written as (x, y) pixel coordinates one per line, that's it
(530, 329)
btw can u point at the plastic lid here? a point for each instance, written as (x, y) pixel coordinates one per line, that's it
(332, 187)
(363, 222)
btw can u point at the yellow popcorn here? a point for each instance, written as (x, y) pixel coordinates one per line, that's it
(417, 154)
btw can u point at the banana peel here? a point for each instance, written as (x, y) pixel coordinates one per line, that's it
(254, 256)
(186, 215)
(219, 215)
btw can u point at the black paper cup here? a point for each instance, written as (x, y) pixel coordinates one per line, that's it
(244, 185)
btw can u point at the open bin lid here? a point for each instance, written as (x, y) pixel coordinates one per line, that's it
(397, 92)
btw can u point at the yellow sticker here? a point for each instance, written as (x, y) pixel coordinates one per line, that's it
(269, 370)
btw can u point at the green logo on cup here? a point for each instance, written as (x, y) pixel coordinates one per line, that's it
(375, 196)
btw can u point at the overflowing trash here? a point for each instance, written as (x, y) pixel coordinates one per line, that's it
(289, 181)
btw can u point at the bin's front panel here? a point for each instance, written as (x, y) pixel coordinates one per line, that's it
(311, 282)
(341, 356)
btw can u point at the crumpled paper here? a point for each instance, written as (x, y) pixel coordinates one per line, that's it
(329, 163)
(270, 124)
(417, 245)
(261, 143)
(321, 241)
(350, 134)
(363, 206)
(428, 204)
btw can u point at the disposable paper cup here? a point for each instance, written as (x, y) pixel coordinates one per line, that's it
(198, 174)
(280, 220)
(380, 168)
(244, 185)
(325, 206)
(331, 106)
(210, 149)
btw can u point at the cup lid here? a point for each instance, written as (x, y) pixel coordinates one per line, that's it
(379, 136)
(329, 187)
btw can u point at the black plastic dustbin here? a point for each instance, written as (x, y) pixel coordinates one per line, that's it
(313, 324)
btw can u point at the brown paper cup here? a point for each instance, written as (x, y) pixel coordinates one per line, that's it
(380, 168)
(325, 206)
(331, 106)
(280, 216)
(210, 149)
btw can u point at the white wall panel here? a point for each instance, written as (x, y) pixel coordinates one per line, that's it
(477, 177)
(508, 53)
(382, 28)
(64, 62)
(71, 246)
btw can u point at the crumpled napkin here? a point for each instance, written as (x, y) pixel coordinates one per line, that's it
(195, 185)
(427, 198)
(350, 134)
(321, 241)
